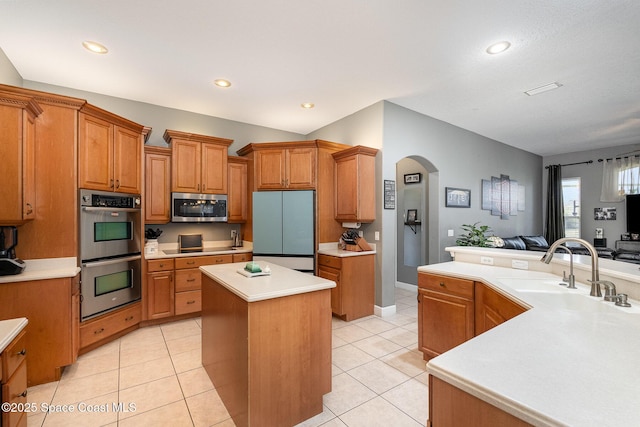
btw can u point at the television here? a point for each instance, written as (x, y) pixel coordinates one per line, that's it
(633, 213)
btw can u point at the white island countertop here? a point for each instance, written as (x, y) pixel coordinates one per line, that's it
(281, 282)
(554, 365)
(9, 329)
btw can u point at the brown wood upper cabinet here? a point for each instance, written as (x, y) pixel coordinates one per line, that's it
(355, 193)
(110, 151)
(198, 162)
(237, 201)
(284, 166)
(157, 164)
(17, 151)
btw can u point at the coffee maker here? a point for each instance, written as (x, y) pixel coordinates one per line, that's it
(9, 263)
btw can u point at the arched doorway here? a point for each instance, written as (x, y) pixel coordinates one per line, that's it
(417, 217)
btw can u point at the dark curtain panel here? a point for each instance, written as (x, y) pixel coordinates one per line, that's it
(554, 223)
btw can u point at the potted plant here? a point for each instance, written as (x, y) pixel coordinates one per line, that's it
(475, 235)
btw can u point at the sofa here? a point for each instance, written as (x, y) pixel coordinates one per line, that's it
(540, 244)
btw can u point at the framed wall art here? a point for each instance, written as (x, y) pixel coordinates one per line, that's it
(457, 197)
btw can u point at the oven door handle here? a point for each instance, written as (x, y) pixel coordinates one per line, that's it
(100, 209)
(111, 261)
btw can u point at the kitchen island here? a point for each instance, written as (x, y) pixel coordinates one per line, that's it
(571, 359)
(266, 342)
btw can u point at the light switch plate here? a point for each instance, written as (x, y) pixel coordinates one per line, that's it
(450, 233)
(377, 235)
(487, 260)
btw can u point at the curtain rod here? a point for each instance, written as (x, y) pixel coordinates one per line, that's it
(617, 158)
(577, 163)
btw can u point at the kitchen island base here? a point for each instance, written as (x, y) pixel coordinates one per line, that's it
(269, 360)
(451, 407)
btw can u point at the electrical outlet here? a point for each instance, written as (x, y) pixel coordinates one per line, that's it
(519, 264)
(450, 233)
(377, 235)
(360, 233)
(487, 260)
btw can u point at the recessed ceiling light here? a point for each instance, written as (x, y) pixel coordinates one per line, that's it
(545, 88)
(95, 47)
(222, 83)
(498, 47)
(307, 105)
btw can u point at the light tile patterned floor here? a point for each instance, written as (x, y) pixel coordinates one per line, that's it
(379, 379)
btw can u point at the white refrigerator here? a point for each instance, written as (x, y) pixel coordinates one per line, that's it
(284, 228)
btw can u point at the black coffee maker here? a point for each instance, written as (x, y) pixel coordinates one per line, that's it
(9, 263)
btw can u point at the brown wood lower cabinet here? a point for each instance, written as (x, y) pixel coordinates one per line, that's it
(445, 313)
(354, 294)
(97, 331)
(451, 407)
(452, 311)
(493, 308)
(14, 381)
(52, 331)
(174, 284)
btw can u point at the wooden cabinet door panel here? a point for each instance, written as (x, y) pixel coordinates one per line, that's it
(185, 166)
(238, 192)
(127, 151)
(214, 169)
(29, 168)
(12, 165)
(157, 188)
(270, 169)
(336, 296)
(445, 321)
(95, 153)
(160, 295)
(300, 168)
(493, 308)
(346, 189)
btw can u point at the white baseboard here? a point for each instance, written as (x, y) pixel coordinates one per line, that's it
(407, 286)
(389, 310)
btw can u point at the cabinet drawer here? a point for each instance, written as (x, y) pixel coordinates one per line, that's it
(197, 261)
(103, 327)
(330, 261)
(448, 285)
(188, 280)
(14, 355)
(159, 265)
(15, 391)
(242, 257)
(188, 302)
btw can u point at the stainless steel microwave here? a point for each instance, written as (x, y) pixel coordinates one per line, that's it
(194, 207)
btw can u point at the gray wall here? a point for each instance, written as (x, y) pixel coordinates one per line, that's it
(162, 118)
(8, 73)
(591, 182)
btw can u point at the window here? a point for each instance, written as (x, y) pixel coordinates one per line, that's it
(571, 200)
(628, 179)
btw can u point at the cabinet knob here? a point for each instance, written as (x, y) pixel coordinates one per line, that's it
(191, 280)
(442, 284)
(190, 262)
(127, 319)
(22, 352)
(191, 302)
(29, 209)
(111, 183)
(23, 394)
(98, 331)
(117, 183)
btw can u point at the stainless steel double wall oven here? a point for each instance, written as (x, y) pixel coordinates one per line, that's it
(110, 251)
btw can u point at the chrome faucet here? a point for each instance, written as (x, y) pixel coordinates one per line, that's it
(571, 280)
(595, 272)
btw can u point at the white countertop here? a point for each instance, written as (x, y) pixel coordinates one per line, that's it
(9, 329)
(209, 248)
(46, 268)
(332, 249)
(556, 364)
(281, 283)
